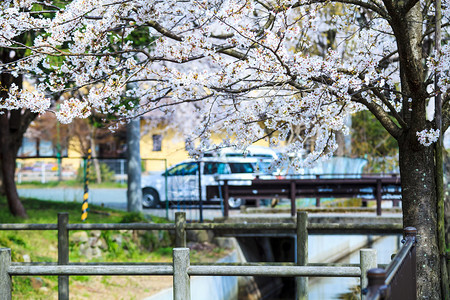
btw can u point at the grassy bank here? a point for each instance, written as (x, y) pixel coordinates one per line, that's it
(115, 246)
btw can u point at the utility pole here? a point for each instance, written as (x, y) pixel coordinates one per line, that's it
(134, 193)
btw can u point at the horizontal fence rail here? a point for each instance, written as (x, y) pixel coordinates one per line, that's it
(299, 227)
(313, 228)
(28, 226)
(282, 271)
(91, 270)
(198, 270)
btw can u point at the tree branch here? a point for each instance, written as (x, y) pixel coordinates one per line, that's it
(381, 115)
(164, 31)
(375, 8)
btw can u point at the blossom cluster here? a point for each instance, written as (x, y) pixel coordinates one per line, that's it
(254, 71)
(428, 136)
(32, 100)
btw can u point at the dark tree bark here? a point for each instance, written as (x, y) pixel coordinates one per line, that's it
(417, 167)
(13, 125)
(2, 186)
(417, 162)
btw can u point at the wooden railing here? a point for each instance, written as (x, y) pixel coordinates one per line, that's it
(181, 268)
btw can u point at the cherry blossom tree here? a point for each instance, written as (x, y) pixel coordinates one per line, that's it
(251, 69)
(14, 124)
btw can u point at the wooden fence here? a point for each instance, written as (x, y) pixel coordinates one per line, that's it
(181, 268)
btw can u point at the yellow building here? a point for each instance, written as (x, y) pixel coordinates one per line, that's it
(161, 145)
(160, 148)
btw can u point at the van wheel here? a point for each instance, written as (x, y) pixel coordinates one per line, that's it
(235, 202)
(150, 198)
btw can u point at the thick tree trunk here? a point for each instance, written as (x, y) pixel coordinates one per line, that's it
(13, 125)
(8, 167)
(447, 201)
(417, 168)
(2, 186)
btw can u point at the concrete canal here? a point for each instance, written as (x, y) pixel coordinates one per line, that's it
(322, 249)
(334, 288)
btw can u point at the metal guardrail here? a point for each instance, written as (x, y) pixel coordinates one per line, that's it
(398, 281)
(301, 228)
(378, 188)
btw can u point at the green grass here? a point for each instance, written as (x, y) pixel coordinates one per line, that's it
(41, 246)
(40, 211)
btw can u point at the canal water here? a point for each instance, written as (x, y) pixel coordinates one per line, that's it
(329, 288)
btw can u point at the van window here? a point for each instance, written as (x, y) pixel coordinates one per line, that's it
(234, 155)
(215, 168)
(241, 168)
(183, 169)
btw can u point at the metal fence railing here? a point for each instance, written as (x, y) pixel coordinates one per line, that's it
(181, 268)
(374, 187)
(398, 280)
(48, 169)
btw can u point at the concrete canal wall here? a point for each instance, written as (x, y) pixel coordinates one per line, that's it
(331, 248)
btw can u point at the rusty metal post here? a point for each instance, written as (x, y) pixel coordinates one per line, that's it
(302, 254)
(180, 229)
(292, 193)
(5, 278)
(411, 233)
(378, 195)
(226, 196)
(376, 286)
(63, 255)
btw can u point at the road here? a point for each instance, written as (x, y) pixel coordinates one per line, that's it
(114, 198)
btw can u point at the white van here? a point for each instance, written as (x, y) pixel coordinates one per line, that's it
(180, 183)
(265, 156)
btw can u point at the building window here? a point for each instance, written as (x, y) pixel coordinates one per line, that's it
(157, 142)
(36, 147)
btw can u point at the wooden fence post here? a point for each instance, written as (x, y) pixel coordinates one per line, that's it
(180, 229)
(181, 280)
(63, 255)
(367, 260)
(5, 278)
(302, 254)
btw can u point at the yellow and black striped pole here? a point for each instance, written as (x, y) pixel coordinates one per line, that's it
(84, 206)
